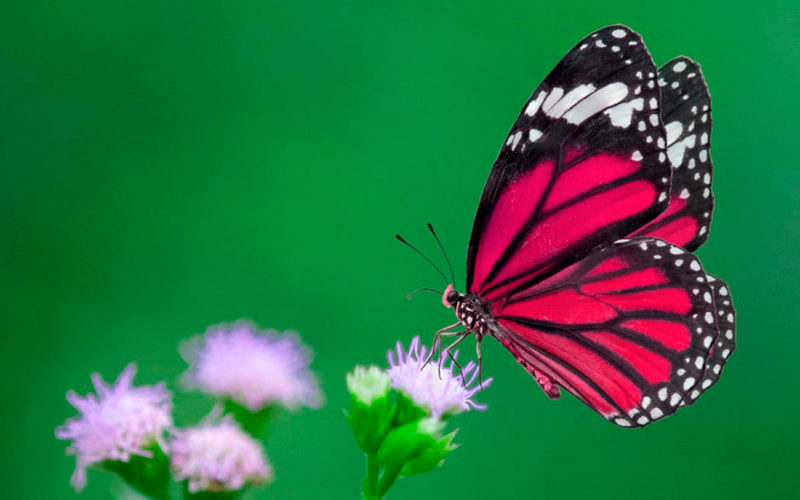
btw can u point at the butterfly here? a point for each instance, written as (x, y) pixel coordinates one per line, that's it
(580, 260)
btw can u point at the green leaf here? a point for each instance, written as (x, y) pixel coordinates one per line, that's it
(211, 495)
(407, 442)
(254, 423)
(432, 457)
(408, 411)
(148, 476)
(371, 423)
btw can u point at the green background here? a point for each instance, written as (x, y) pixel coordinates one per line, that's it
(171, 165)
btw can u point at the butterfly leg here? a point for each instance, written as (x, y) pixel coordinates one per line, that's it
(478, 339)
(437, 340)
(449, 352)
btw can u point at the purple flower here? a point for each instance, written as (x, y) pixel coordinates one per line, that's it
(218, 457)
(120, 421)
(445, 395)
(254, 368)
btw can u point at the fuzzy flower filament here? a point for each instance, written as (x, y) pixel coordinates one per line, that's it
(251, 367)
(218, 457)
(448, 394)
(118, 422)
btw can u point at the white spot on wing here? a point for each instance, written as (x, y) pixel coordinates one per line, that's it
(618, 33)
(603, 98)
(677, 150)
(517, 137)
(534, 134)
(679, 66)
(557, 109)
(621, 114)
(674, 130)
(533, 106)
(555, 95)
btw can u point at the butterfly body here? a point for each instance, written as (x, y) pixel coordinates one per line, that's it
(472, 312)
(580, 258)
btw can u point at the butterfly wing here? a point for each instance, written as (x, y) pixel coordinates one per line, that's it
(625, 329)
(686, 110)
(584, 165)
(723, 344)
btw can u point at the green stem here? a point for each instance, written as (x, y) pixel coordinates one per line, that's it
(370, 485)
(211, 495)
(254, 423)
(147, 475)
(387, 480)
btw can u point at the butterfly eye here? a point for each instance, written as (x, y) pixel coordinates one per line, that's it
(452, 295)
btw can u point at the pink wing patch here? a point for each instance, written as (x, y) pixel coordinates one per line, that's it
(584, 200)
(625, 330)
(514, 208)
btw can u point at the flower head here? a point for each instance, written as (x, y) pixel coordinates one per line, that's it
(254, 368)
(120, 421)
(368, 383)
(445, 395)
(218, 456)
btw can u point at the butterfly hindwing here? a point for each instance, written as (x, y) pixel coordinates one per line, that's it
(584, 165)
(723, 344)
(686, 111)
(624, 329)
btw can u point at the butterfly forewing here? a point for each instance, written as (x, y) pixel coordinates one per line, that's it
(584, 165)
(686, 111)
(625, 329)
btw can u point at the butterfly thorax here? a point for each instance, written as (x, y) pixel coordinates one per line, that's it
(472, 311)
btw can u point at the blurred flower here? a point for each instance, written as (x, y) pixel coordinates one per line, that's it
(446, 395)
(253, 368)
(119, 422)
(218, 456)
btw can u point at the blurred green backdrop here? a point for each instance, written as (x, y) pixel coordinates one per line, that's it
(170, 165)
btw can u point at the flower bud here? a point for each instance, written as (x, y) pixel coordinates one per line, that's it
(371, 410)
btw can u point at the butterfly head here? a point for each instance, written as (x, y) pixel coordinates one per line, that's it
(450, 297)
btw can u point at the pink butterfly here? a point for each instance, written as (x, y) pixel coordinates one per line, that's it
(579, 261)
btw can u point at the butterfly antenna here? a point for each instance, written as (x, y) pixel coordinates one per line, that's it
(446, 258)
(423, 289)
(412, 247)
